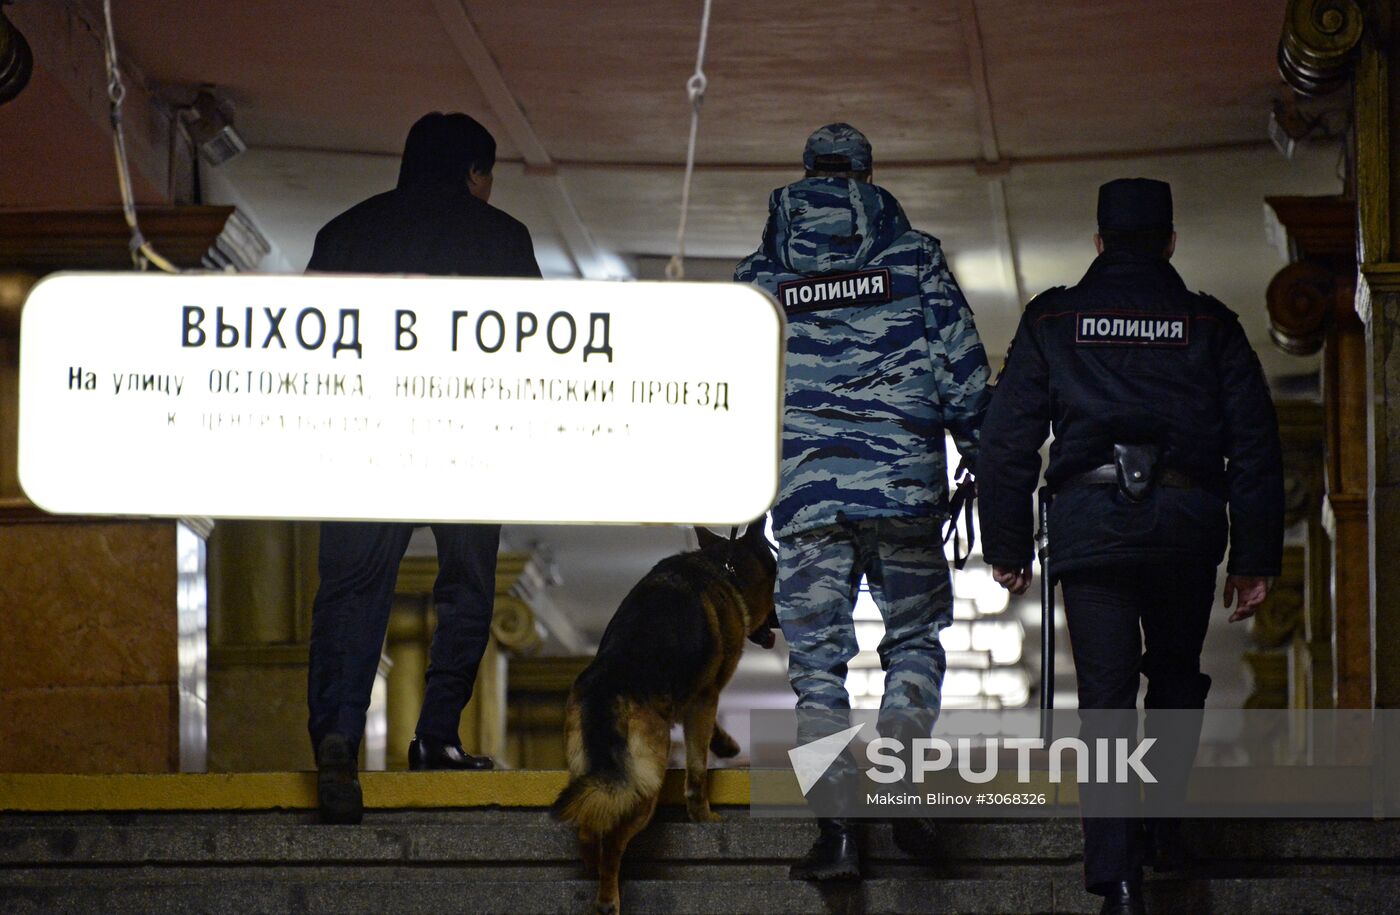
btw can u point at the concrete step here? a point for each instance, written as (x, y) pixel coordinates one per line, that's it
(484, 837)
(527, 836)
(519, 861)
(1012, 891)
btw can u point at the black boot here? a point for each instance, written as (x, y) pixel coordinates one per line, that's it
(834, 856)
(425, 754)
(1124, 898)
(915, 836)
(338, 782)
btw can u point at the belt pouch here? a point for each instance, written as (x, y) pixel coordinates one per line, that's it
(1137, 469)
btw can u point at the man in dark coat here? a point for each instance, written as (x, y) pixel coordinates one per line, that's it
(1165, 447)
(437, 221)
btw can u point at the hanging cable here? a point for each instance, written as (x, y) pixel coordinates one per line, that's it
(695, 88)
(142, 252)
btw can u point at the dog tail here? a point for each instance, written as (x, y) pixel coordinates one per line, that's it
(617, 759)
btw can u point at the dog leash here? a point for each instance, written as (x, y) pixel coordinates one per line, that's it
(963, 499)
(729, 554)
(761, 640)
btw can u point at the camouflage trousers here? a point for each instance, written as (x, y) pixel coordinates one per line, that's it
(819, 572)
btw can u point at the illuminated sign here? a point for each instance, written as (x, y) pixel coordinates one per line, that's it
(397, 398)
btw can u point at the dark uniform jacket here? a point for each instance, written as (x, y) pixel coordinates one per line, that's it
(1131, 356)
(429, 224)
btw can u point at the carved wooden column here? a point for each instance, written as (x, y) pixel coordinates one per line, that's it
(514, 632)
(539, 689)
(1310, 309)
(14, 287)
(1377, 126)
(1307, 573)
(262, 580)
(1277, 628)
(1292, 664)
(1346, 514)
(1319, 44)
(1325, 43)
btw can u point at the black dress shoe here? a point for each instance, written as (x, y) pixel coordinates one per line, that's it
(834, 856)
(337, 781)
(1124, 898)
(425, 754)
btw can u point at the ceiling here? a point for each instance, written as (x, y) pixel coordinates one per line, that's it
(993, 121)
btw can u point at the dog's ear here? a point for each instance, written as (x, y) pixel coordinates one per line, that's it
(707, 537)
(754, 536)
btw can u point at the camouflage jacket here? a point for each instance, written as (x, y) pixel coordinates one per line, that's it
(882, 356)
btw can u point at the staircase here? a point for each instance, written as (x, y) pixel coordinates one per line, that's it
(518, 861)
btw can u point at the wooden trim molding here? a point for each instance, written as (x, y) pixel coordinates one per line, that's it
(192, 237)
(1382, 278)
(1316, 226)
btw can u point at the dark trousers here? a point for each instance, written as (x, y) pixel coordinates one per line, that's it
(359, 563)
(1124, 623)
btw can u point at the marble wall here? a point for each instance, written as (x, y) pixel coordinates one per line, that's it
(89, 668)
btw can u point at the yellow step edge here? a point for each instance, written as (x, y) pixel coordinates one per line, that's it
(43, 793)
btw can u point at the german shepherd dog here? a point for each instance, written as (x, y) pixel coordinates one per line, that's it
(669, 650)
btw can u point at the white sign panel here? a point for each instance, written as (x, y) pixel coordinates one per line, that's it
(398, 398)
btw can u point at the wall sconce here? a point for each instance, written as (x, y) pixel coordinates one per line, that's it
(16, 59)
(210, 126)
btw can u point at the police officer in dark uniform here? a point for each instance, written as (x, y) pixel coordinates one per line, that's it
(1165, 446)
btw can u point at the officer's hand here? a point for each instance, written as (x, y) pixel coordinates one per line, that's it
(1014, 580)
(1251, 590)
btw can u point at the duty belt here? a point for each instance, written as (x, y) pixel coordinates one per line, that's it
(1108, 475)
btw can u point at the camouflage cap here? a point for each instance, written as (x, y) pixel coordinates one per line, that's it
(837, 147)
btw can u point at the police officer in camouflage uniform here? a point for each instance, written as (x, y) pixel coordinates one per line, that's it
(882, 358)
(1165, 444)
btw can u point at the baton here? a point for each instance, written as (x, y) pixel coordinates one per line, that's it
(1047, 618)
